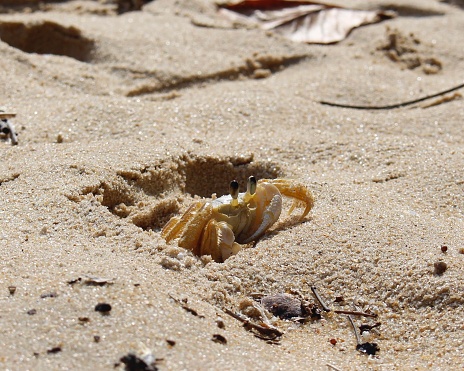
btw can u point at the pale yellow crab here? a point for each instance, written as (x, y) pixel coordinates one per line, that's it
(221, 227)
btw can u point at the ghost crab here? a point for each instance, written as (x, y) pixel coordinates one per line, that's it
(221, 227)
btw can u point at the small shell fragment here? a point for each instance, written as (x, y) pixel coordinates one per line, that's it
(284, 306)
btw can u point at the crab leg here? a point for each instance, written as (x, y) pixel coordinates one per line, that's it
(193, 230)
(173, 228)
(295, 190)
(218, 241)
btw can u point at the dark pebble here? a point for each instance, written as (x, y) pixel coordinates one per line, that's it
(49, 295)
(284, 306)
(103, 308)
(54, 350)
(218, 338)
(440, 268)
(368, 348)
(134, 363)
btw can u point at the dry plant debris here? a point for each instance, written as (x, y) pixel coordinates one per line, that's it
(327, 309)
(366, 348)
(91, 281)
(262, 330)
(401, 104)
(286, 306)
(302, 21)
(443, 99)
(257, 317)
(184, 306)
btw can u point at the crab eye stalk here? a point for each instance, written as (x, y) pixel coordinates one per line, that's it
(233, 189)
(251, 185)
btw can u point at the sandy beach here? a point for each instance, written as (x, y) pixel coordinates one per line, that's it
(124, 120)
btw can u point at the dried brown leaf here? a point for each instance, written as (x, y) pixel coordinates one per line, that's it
(302, 21)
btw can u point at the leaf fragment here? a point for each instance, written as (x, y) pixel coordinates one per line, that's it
(302, 21)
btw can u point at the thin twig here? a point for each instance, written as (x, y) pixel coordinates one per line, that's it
(391, 106)
(268, 331)
(441, 100)
(186, 307)
(260, 309)
(365, 348)
(355, 313)
(319, 299)
(358, 339)
(327, 309)
(332, 367)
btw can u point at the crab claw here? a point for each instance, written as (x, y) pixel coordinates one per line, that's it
(270, 216)
(268, 207)
(298, 191)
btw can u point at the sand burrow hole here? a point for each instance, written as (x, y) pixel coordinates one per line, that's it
(46, 37)
(149, 196)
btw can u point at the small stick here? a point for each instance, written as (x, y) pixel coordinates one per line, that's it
(319, 299)
(358, 339)
(246, 322)
(260, 309)
(332, 367)
(327, 309)
(366, 348)
(186, 307)
(355, 313)
(445, 99)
